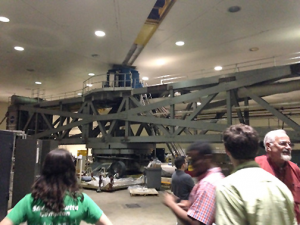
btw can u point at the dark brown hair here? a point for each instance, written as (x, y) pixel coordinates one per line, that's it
(57, 179)
(179, 161)
(241, 141)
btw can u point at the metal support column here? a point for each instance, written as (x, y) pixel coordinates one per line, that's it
(229, 109)
(6, 150)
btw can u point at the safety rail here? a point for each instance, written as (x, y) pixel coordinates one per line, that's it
(100, 81)
(280, 60)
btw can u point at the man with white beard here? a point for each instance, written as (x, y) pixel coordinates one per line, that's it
(277, 162)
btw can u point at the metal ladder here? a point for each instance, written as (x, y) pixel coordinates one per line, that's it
(174, 148)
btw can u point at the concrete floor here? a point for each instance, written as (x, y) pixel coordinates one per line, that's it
(151, 211)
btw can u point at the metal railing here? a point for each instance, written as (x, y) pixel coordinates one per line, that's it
(100, 81)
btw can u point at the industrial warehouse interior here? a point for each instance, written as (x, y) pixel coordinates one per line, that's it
(127, 85)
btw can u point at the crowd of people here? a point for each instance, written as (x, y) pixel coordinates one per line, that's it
(260, 190)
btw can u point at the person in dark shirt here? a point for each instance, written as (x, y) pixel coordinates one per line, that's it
(182, 183)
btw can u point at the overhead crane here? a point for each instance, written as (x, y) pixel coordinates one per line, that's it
(121, 120)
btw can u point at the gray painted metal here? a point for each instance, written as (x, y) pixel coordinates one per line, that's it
(6, 146)
(271, 109)
(126, 110)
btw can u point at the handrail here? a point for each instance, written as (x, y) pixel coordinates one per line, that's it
(100, 81)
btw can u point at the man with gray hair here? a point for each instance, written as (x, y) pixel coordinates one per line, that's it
(277, 162)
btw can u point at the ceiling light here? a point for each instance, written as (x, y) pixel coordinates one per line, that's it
(79, 94)
(198, 103)
(89, 85)
(18, 48)
(145, 78)
(218, 68)
(173, 78)
(91, 74)
(160, 62)
(100, 33)
(38, 82)
(4, 19)
(254, 49)
(234, 9)
(163, 76)
(170, 82)
(179, 43)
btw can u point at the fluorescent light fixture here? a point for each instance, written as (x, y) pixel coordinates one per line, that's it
(160, 62)
(173, 78)
(91, 74)
(18, 48)
(4, 19)
(179, 43)
(218, 68)
(145, 78)
(38, 82)
(79, 94)
(168, 82)
(89, 85)
(99, 33)
(163, 76)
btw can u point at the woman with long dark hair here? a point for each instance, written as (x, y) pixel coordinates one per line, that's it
(55, 197)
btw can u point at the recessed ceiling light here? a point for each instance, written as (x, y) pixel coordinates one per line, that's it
(4, 19)
(38, 82)
(160, 62)
(89, 85)
(91, 74)
(145, 78)
(100, 33)
(218, 68)
(18, 48)
(234, 9)
(254, 49)
(179, 43)
(79, 94)
(198, 103)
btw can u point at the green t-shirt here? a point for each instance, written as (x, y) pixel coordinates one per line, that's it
(75, 211)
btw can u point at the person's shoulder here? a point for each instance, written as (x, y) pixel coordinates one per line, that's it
(28, 197)
(188, 176)
(260, 159)
(85, 196)
(213, 178)
(294, 166)
(245, 175)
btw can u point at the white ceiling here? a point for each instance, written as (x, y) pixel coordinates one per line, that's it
(58, 37)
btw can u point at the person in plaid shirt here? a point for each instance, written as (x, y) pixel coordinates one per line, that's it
(200, 208)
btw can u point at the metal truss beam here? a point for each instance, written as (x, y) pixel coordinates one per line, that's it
(127, 111)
